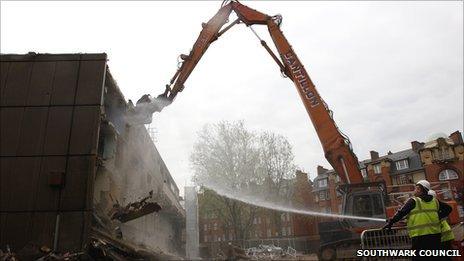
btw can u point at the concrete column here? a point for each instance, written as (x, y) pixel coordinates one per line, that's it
(191, 228)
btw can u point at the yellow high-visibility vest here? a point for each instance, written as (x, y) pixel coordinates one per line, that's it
(446, 232)
(423, 219)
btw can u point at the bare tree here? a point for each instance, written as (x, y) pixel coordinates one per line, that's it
(239, 159)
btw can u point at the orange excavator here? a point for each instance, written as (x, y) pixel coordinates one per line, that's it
(357, 194)
(336, 146)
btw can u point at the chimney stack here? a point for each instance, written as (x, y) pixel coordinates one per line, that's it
(416, 146)
(321, 170)
(456, 137)
(374, 155)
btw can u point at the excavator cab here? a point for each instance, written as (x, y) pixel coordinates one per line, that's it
(341, 238)
(364, 200)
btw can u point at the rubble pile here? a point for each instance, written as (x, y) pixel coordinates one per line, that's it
(271, 252)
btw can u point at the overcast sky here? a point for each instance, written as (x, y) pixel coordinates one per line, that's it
(392, 72)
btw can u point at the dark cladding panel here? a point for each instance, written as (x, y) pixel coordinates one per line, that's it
(73, 230)
(10, 124)
(50, 107)
(32, 131)
(17, 84)
(43, 228)
(15, 230)
(91, 82)
(57, 133)
(76, 194)
(46, 195)
(21, 183)
(4, 66)
(64, 86)
(40, 87)
(85, 129)
(19, 229)
(5, 168)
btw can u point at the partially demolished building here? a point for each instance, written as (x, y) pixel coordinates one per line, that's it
(74, 174)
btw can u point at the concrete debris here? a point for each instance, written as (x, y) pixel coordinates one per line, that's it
(44, 253)
(134, 210)
(271, 252)
(8, 255)
(103, 246)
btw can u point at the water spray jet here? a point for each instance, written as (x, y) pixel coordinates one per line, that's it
(260, 202)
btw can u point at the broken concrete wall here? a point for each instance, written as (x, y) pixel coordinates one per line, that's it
(129, 169)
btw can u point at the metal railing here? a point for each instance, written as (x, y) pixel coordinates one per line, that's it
(395, 238)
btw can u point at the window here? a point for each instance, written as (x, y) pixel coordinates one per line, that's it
(337, 178)
(322, 183)
(362, 206)
(364, 173)
(324, 195)
(402, 164)
(255, 221)
(215, 226)
(448, 174)
(378, 207)
(442, 153)
(377, 168)
(205, 238)
(268, 232)
(446, 194)
(403, 179)
(284, 231)
(288, 216)
(289, 231)
(205, 227)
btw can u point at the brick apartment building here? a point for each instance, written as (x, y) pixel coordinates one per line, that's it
(268, 226)
(440, 159)
(326, 198)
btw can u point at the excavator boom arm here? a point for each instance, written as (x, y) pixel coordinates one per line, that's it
(208, 35)
(337, 147)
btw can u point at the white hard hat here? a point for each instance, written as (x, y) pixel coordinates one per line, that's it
(433, 193)
(424, 183)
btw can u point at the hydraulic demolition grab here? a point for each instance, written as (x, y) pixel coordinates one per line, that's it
(337, 147)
